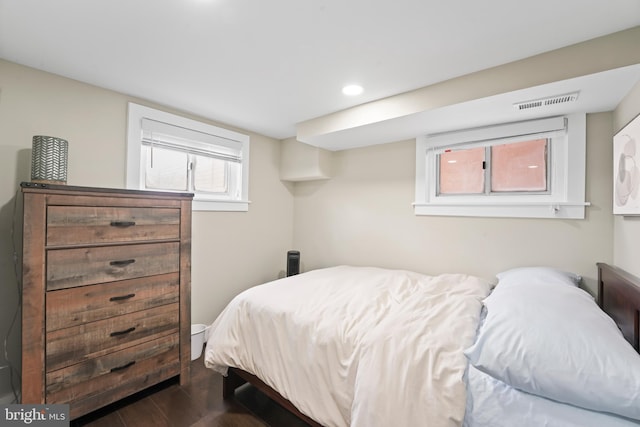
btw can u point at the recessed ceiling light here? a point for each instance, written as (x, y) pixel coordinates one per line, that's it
(352, 90)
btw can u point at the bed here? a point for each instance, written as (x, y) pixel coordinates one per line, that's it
(364, 346)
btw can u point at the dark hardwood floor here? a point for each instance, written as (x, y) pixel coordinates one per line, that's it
(198, 404)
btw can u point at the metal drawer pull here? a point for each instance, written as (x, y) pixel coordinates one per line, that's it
(126, 331)
(122, 263)
(123, 223)
(119, 368)
(122, 297)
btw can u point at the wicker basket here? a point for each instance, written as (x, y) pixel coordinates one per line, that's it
(49, 160)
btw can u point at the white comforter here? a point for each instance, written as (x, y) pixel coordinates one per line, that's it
(356, 346)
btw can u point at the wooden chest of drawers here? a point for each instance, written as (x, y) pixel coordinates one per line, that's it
(106, 293)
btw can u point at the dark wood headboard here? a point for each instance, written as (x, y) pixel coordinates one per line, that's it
(619, 297)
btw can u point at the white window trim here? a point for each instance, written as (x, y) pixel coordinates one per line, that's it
(567, 197)
(137, 113)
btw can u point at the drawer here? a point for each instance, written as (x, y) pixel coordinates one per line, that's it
(78, 225)
(67, 268)
(114, 370)
(65, 347)
(75, 306)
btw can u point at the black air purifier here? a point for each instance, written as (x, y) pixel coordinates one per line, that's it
(293, 263)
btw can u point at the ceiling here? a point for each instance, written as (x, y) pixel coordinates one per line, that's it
(265, 66)
(595, 93)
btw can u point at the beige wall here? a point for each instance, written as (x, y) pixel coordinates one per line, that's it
(626, 229)
(363, 216)
(231, 251)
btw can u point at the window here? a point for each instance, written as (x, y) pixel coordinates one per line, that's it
(166, 152)
(520, 166)
(462, 171)
(517, 167)
(525, 169)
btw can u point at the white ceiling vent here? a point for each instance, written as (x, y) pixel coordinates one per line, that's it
(548, 101)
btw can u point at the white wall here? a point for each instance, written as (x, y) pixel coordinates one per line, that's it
(231, 251)
(627, 228)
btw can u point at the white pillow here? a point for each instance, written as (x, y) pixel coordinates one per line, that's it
(539, 275)
(555, 342)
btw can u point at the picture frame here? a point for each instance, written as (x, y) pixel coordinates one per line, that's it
(626, 171)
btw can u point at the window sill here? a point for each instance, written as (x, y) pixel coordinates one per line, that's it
(564, 210)
(221, 205)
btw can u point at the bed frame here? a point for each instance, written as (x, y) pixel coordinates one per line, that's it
(237, 377)
(618, 296)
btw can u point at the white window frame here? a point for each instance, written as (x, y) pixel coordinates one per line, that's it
(566, 198)
(201, 202)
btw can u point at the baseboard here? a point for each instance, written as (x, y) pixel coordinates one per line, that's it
(6, 399)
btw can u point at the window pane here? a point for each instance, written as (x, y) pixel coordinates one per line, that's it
(520, 166)
(165, 169)
(462, 172)
(210, 175)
